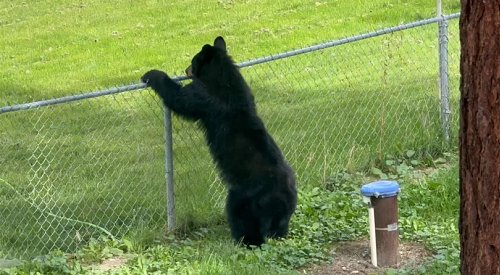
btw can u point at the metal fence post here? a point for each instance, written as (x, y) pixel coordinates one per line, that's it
(443, 73)
(169, 168)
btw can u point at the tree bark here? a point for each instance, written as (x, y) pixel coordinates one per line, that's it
(480, 137)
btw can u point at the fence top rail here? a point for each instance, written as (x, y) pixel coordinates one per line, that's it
(329, 44)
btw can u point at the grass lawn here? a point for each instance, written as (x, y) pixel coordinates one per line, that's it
(102, 161)
(324, 217)
(60, 47)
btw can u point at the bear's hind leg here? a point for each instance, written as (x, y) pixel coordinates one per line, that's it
(279, 227)
(278, 216)
(245, 226)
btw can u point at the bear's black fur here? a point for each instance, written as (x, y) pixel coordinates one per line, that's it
(261, 185)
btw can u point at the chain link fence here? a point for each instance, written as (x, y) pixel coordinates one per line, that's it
(78, 170)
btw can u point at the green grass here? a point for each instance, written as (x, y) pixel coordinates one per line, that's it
(323, 217)
(431, 213)
(59, 47)
(102, 160)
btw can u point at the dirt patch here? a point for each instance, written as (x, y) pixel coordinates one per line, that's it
(354, 258)
(111, 263)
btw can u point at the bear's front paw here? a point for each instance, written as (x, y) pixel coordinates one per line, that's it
(153, 77)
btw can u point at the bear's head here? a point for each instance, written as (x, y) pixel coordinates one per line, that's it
(213, 67)
(208, 59)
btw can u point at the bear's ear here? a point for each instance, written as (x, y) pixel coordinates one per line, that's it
(206, 47)
(219, 43)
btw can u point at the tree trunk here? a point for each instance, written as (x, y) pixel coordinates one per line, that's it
(480, 137)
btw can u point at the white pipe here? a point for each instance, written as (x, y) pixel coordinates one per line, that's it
(371, 223)
(373, 240)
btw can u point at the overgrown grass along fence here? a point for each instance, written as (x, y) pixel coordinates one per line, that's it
(102, 160)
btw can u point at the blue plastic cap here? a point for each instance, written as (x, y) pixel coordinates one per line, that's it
(380, 189)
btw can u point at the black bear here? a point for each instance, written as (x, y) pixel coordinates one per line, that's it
(262, 194)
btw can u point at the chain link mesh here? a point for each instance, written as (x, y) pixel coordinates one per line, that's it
(101, 161)
(80, 165)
